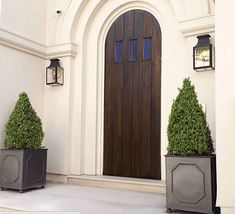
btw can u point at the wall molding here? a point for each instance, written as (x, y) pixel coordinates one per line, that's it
(28, 46)
(23, 44)
(62, 50)
(197, 26)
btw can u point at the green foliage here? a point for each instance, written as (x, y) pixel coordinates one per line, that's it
(188, 132)
(24, 127)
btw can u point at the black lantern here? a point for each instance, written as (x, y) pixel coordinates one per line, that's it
(203, 54)
(54, 73)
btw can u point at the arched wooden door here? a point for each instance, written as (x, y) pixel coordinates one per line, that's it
(132, 97)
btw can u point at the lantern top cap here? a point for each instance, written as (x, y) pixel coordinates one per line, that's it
(55, 59)
(203, 40)
(54, 63)
(203, 36)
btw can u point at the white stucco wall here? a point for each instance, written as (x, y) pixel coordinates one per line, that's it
(54, 19)
(57, 123)
(25, 18)
(225, 104)
(19, 72)
(22, 23)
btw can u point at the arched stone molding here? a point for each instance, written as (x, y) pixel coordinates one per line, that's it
(182, 9)
(87, 81)
(100, 76)
(179, 9)
(65, 26)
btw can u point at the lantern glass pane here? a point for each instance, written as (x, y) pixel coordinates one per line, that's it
(51, 75)
(60, 75)
(202, 56)
(213, 57)
(147, 48)
(118, 51)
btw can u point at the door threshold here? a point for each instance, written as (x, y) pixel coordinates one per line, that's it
(127, 183)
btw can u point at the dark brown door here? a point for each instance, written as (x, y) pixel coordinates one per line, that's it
(132, 97)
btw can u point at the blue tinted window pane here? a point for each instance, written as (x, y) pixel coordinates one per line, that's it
(133, 50)
(147, 48)
(118, 51)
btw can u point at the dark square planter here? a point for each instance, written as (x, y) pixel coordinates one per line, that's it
(191, 183)
(23, 169)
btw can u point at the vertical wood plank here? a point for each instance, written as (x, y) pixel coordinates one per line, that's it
(156, 104)
(108, 102)
(145, 118)
(136, 98)
(146, 105)
(127, 96)
(118, 103)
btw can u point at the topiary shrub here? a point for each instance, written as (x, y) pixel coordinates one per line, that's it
(24, 127)
(188, 132)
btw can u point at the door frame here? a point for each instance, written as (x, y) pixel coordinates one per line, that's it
(101, 73)
(85, 92)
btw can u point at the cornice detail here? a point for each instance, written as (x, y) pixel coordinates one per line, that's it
(197, 26)
(23, 44)
(62, 50)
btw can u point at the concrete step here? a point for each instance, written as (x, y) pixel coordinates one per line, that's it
(136, 184)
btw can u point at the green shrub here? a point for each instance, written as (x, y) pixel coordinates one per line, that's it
(188, 132)
(24, 127)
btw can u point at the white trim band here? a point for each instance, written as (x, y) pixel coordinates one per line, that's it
(21, 43)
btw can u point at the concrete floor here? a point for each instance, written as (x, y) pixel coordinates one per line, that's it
(86, 200)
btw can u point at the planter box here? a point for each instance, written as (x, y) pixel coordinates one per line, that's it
(23, 169)
(191, 183)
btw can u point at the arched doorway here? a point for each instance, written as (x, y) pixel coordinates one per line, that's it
(132, 97)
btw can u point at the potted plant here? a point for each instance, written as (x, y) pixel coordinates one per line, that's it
(23, 161)
(190, 162)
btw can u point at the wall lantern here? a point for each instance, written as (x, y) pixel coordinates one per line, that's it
(203, 54)
(54, 73)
